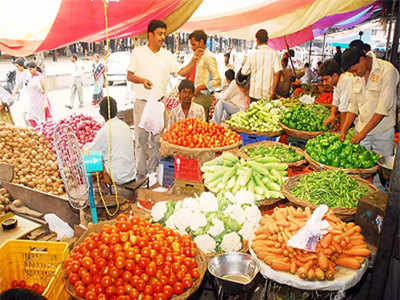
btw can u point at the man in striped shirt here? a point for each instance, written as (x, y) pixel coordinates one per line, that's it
(264, 67)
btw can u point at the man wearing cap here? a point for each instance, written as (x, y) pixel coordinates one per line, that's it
(372, 100)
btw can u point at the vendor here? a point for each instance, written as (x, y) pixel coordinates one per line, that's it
(373, 101)
(341, 83)
(122, 148)
(187, 108)
(234, 99)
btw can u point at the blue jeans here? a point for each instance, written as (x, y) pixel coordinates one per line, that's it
(222, 107)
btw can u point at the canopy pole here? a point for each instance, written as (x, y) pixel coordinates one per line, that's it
(309, 54)
(290, 57)
(390, 30)
(323, 47)
(395, 42)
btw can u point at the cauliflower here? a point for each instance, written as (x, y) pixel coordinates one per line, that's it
(230, 197)
(208, 202)
(182, 219)
(197, 220)
(244, 197)
(247, 230)
(206, 243)
(236, 213)
(217, 228)
(171, 223)
(231, 242)
(158, 210)
(191, 203)
(253, 214)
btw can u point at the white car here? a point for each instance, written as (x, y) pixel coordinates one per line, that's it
(117, 66)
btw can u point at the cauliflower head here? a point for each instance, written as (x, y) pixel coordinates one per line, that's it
(236, 212)
(191, 203)
(197, 220)
(253, 214)
(244, 197)
(208, 202)
(206, 243)
(217, 227)
(158, 211)
(231, 242)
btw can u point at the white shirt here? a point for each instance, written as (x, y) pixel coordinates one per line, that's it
(155, 67)
(307, 77)
(21, 80)
(122, 151)
(377, 96)
(78, 70)
(342, 91)
(262, 64)
(236, 96)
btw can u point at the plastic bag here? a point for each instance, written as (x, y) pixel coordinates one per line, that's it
(307, 99)
(152, 119)
(58, 226)
(308, 237)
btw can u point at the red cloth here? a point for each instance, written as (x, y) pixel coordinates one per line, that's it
(192, 75)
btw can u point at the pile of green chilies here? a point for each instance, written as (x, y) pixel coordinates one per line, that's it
(334, 188)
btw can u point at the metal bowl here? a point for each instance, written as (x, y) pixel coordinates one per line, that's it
(386, 164)
(234, 272)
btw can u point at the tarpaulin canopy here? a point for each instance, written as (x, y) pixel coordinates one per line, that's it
(28, 26)
(297, 21)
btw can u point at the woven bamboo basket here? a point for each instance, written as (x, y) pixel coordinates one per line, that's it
(178, 149)
(320, 166)
(271, 144)
(344, 213)
(268, 133)
(200, 259)
(300, 134)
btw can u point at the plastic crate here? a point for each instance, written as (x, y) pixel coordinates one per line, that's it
(34, 262)
(187, 169)
(166, 172)
(188, 188)
(252, 138)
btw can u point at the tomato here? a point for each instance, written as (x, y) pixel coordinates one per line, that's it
(175, 267)
(156, 245)
(14, 284)
(114, 238)
(101, 297)
(126, 276)
(110, 290)
(129, 265)
(90, 245)
(114, 272)
(120, 290)
(148, 290)
(157, 287)
(164, 280)
(180, 275)
(87, 278)
(133, 294)
(94, 269)
(172, 279)
(134, 280)
(90, 295)
(195, 273)
(145, 252)
(82, 272)
(91, 287)
(100, 262)
(187, 282)
(80, 291)
(144, 277)
(120, 262)
(159, 296)
(95, 253)
(142, 242)
(87, 262)
(147, 297)
(167, 270)
(68, 269)
(105, 238)
(73, 278)
(137, 270)
(122, 218)
(75, 266)
(94, 236)
(140, 285)
(159, 260)
(143, 261)
(117, 248)
(178, 288)
(151, 269)
(124, 226)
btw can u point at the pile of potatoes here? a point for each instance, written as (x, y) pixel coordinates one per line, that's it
(35, 165)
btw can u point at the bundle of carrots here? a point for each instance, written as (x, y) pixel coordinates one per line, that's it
(342, 246)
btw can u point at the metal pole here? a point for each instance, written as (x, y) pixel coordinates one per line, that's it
(390, 30)
(309, 54)
(323, 47)
(395, 44)
(290, 57)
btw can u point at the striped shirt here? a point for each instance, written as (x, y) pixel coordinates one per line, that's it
(207, 72)
(261, 65)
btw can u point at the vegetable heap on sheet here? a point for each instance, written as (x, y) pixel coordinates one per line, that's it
(262, 116)
(334, 188)
(343, 245)
(262, 176)
(216, 224)
(284, 154)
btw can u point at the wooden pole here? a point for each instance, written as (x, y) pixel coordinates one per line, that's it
(323, 47)
(309, 54)
(390, 30)
(395, 42)
(290, 57)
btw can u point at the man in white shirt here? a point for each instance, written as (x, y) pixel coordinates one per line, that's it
(149, 70)
(264, 67)
(121, 156)
(308, 75)
(232, 100)
(77, 83)
(373, 100)
(332, 76)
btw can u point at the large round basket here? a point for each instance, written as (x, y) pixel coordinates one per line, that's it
(272, 144)
(267, 133)
(300, 134)
(200, 259)
(177, 149)
(320, 166)
(344, 213)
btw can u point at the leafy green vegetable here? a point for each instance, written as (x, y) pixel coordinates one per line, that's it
(334, 188)
(284, 154)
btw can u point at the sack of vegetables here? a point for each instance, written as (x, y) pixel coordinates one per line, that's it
(328, 152)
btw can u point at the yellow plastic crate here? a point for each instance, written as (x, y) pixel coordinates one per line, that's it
(34, 262)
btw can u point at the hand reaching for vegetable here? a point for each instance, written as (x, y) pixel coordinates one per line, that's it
(330, 122)
(147, 84)
(357, 138)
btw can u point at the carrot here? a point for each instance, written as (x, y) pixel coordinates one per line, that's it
(293, 267)
(308, 265)
(351, 231)
(261, 237)
(337, 247)
(280, 265)
(308, 212)
(326, 240)
(356, 236)
(319, 274)
(348, 262)
(273, 250)
(357, 252)
(332, 218)
(323, 262)
(330, 275)
(301, 273)
(310, 274)
(327, 252)
(336, 232)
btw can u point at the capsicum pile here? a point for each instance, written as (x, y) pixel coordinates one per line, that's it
(306, 117)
